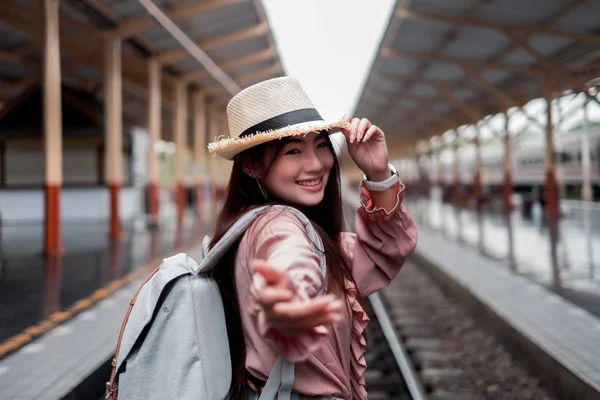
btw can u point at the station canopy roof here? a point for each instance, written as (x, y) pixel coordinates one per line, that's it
(442, 64)
(235, 34)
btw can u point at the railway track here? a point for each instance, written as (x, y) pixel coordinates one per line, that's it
(405, 359)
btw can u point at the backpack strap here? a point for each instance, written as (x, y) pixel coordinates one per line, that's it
(111, 385)
(280, 379)
(214, 255)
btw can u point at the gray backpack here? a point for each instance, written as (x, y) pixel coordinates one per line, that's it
(173, 342)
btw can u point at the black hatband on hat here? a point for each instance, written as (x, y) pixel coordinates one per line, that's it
(283, 120)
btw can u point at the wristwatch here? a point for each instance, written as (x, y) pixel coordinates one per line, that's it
(390, 166)
(383, 185)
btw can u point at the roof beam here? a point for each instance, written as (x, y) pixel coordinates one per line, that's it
(245, 80)
(489, 23)
(551, 66)
(215, 71)
(439, 57)
(104, 10)
(241, 35)
(234, 64)
(135, 26)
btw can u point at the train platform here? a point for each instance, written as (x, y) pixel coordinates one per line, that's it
(62, 316)
(565, 263)
(544, 308)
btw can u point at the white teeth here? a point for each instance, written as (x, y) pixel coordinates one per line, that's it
(309, 183)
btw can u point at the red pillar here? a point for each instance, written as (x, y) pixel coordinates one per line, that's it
(478, 176)
(181, 200)
(456, 187)
(52, 130)
(551, 187)
(181, 133)
(52, 225)
(115, 220)
(153, 206)
(507, 187)
(154, 126)
(113, 125)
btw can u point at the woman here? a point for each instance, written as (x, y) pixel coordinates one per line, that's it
(271, 281)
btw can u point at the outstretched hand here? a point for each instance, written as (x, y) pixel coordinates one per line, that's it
(284, 309)
(367, 147)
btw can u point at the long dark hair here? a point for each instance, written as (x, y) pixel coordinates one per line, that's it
(244, 194)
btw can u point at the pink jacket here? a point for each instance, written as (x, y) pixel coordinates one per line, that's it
(332, 365)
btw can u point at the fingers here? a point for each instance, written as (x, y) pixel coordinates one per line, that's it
(300, 311)
(348, 118)
(269, 296)
(362, 127)
(271, 275)
(305, 316)
(353, 129)
(359, 128)
(372, 130)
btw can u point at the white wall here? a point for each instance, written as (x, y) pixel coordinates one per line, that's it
(77, 204)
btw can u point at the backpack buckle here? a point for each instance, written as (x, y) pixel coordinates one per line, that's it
(110, 390)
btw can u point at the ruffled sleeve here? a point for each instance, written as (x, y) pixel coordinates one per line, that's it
(279, 238)
(382, 241)
(358, 347)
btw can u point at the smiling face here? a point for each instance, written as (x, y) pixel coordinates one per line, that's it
(301, 171)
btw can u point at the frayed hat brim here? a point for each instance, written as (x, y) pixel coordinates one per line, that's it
(228, 148)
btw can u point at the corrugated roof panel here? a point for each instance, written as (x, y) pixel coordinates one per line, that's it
(519, 57)
(408, 104)
(422, 90)
(476, 43)
(495, 76)
(164, 41)
(550, 45)
(420, 35)
(221, 21)
(251, 68)
(126, 9)
(443, 6)
(582, 19)
(387, 84)
(443, 72)
(395, 65)
(464, 94)
(523, 11)
(190, 64)
(241, 48)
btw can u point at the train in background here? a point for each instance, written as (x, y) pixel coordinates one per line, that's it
(528, 166)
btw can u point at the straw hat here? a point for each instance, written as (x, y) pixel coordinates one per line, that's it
(269, 110)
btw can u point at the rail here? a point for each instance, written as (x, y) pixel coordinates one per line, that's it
(417, 392)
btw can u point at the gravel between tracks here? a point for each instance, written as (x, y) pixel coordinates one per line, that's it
(489, 369)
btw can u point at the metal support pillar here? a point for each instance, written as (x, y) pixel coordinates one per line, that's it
(478, 175)
(52, 130)
(507, 189)
(551, 187)
(113, 125)
(456, 186)
(200, 150)
(180, 129)
(154, 126)
(586, 186)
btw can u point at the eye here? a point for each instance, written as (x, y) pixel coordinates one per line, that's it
(323, 144)
(292, 151)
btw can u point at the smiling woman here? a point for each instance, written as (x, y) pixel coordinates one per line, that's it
(279, 307)
(301, 172)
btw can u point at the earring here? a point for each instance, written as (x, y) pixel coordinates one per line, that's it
(262, 190)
